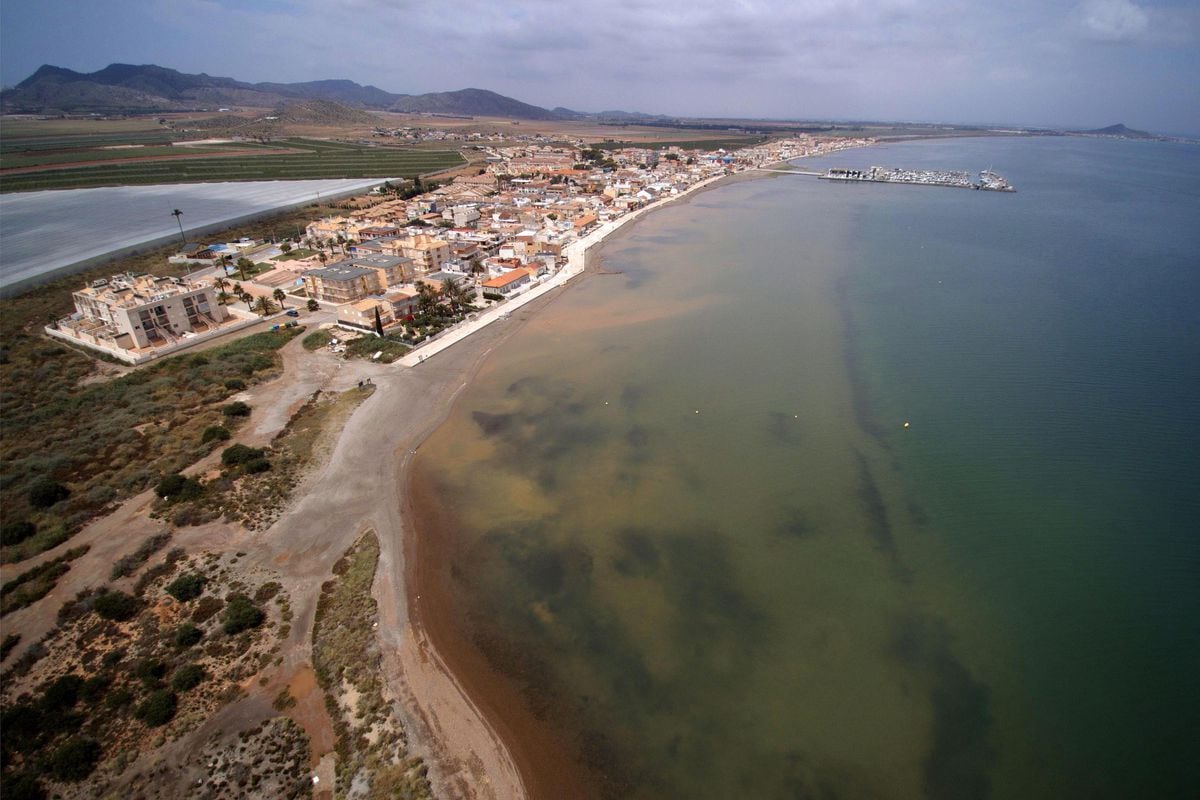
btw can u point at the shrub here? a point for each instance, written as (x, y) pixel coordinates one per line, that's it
(23, 786)
(150, 671)
(316, 340)
(157, 709)
(116, 606)
(187, 635)
(240, 614)
(235, 384)
(240, 454)
(214, 433)
(45, 493)
(186, 587)
(198, 360)
(236, 409)
(189, 676)
(16, 532)
(256, 466)
(313, 305)
(94, 688)
(175, 488)
(205, 608)
(75, 759)
(118, 698)
(10, 641)
(62, 693)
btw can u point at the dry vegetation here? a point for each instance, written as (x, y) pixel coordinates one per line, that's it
(71, 450)
(130, 669)
(371, 744)
(256, 484)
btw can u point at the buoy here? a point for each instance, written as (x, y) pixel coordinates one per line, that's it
(906, 424)
(697, 411)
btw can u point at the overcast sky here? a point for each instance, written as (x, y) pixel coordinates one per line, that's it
(1031, 62)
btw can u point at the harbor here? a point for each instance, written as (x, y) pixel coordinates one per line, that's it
(988, 180)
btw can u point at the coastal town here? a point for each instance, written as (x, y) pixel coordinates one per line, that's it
(415, 263)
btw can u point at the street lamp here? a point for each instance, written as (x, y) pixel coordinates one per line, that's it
(178, 215)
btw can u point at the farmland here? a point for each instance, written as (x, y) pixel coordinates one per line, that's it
(31, 164)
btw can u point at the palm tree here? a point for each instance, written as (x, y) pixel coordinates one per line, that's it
(244, 264)
(321, 257)
(279, 295)
(220, 284)
(178, 215)
(247, 298)
(264, 305)
(341, 240)
(223, 263)
(427, 298)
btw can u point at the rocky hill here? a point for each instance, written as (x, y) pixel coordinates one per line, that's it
(127, 87)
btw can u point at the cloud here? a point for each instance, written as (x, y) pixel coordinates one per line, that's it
(1113, 20)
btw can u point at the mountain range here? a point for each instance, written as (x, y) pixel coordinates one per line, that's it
(150, 88)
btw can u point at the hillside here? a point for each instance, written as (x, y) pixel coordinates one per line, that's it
(1120, 131)
(147, 88)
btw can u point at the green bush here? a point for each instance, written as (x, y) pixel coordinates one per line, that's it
(187, 635)
(176, 488)
(240, 454)
(118, 698)
(235, 384)
(116, 606)
(150, 671)
(157, 709)
(214, 433)
(186, 587)
(237, 408)
(240, 614)
(316, 340)
(75, 759)
(189, 676)
(16, 532)
(256, 466)
(45, 493)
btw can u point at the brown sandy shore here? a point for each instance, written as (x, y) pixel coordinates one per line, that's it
(438, 642)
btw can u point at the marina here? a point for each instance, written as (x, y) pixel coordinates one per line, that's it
(988, 180)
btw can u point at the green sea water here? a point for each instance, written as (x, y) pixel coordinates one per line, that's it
(691, 527)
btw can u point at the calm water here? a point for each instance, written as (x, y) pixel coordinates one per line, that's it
(690, 524)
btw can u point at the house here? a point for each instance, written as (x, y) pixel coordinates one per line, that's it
(361, 314)
(342, 283)
(507, 283)
(428, 253)
(404, 301)
(139, 311)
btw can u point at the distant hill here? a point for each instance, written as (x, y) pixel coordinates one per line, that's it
(1118, 130)
(127, 87)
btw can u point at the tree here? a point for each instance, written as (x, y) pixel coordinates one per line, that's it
(214, 433)
(280, 296)
(178, 215)
(248, 299)
(239, 454)
(189, 676)
(223, 261)
(236, 409)
(16, 532)
(244, 264)
(285, 248)
(313, 305)
(176, 488)
(427, 298)
(221, 283)
(321, 257)
(264, 305)
(378, 323)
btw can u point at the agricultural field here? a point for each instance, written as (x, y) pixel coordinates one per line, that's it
(52, 160)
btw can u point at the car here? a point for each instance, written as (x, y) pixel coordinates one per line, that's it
(293, 312)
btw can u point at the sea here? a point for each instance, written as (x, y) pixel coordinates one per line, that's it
(816, 490)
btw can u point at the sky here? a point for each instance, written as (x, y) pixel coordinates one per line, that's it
(1056, 63)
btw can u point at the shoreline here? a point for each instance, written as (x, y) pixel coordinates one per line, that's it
(545, 767)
